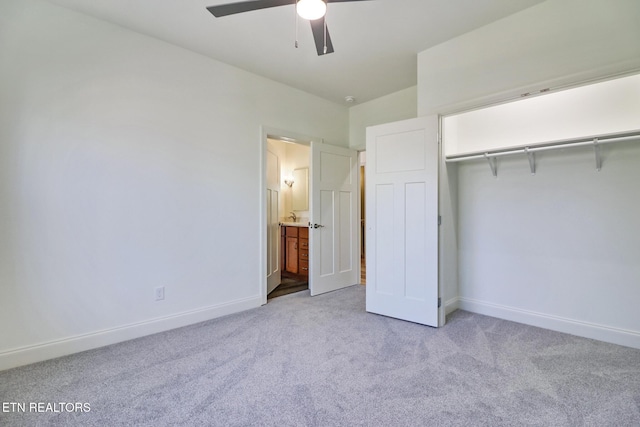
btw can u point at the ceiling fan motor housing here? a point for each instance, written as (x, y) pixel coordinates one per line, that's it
(312, 10)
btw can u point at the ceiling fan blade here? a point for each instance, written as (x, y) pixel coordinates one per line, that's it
(245, 6)
(317, 27)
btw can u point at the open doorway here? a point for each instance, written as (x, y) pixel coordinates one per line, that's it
(329, 224)
(363, 264)
(287, 216)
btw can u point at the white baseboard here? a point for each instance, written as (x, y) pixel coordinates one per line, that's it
(451, 305)
(595, 331)
(49, 350)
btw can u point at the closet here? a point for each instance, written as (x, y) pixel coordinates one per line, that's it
(591, 115)
(547, 207)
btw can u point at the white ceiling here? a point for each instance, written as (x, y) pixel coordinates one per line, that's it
(375, 41)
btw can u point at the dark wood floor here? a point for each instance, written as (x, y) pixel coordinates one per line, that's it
(291, 283)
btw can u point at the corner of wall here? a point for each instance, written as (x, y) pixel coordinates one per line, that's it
(393, 107)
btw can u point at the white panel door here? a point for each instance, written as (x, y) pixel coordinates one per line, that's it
(333, 232)
(402, 220)
(273, 224)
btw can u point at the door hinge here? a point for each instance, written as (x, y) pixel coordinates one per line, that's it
(439, 220)
(439, 302)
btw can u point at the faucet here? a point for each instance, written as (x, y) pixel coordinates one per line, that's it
(293, 216)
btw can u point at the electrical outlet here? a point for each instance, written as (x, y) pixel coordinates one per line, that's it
(160, 293)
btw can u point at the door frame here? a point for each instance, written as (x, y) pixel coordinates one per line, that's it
(283, 135)
(361, 209)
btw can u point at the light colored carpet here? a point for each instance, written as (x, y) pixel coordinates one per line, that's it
(324, 361)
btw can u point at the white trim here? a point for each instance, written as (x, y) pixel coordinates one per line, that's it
(543, 88)
(262, 217)
(274, 133)
(451, 305)
(594, 331)
(62, 347)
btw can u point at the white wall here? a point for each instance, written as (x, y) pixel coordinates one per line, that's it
(394, 107)
(552, 44)
(292, 156)
(558, 249)
(602, 108)
(297, 156)
(127, 163)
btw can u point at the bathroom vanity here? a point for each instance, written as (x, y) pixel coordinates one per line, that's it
(294, 248)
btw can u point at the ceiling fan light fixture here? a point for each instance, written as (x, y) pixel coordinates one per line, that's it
(311, 9)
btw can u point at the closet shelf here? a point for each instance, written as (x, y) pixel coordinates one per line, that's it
(530, 150)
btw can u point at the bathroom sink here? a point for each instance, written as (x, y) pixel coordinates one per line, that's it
(294, 224)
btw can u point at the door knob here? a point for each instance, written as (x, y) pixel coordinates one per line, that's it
(317, 226)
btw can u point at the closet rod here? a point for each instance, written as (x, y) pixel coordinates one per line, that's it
(551, 146)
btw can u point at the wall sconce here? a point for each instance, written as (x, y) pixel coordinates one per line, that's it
(288, 180)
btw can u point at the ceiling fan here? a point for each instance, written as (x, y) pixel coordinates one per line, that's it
(311, 10)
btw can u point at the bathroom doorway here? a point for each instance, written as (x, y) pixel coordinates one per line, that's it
(287, 216)
(363, 265)
(329, 224)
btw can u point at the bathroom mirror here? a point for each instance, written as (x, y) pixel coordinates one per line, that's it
(300, 190)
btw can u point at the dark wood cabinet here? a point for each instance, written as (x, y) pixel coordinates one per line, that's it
(291, 250)
(283, 244)
(303, 251)
(295, 245)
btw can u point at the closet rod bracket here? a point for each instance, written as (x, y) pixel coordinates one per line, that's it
(493, 164)
(532, 160)
(596, 148)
